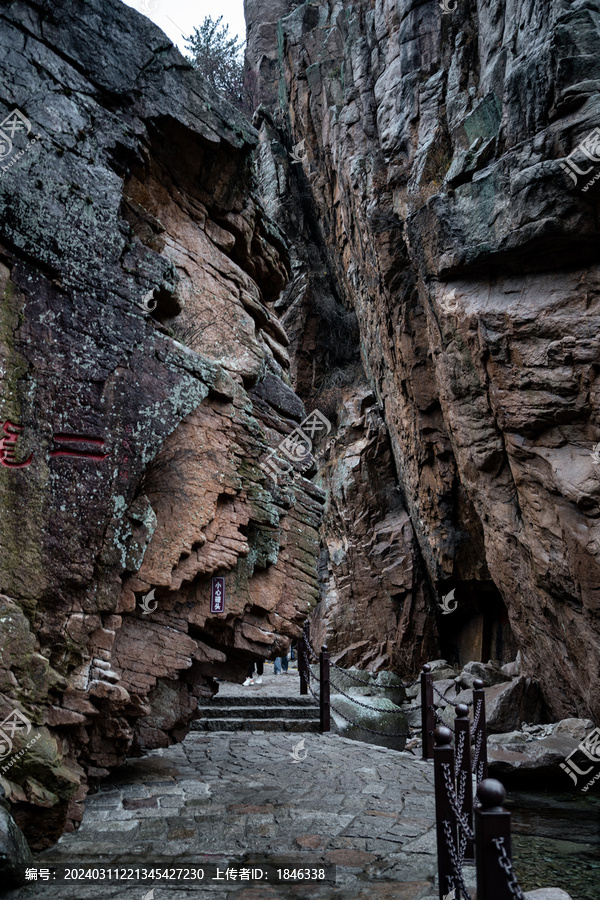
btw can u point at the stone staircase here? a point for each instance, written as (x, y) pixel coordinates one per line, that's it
(258, 713)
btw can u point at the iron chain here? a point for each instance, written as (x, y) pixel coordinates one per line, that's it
(505, 863)
(454, 858)
(454, 802)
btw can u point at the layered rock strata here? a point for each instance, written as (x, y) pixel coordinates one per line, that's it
(144, 383)
(434, 149)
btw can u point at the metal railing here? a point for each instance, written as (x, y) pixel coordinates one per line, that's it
(465, 834)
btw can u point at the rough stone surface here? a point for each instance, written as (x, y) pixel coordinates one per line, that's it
(221, 797)
(440, 215)
(138, 189)
(14, 851)
(521, 762)
(386, 722)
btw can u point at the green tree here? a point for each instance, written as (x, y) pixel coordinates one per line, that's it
(218, 56)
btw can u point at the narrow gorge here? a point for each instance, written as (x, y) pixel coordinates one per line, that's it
(400, 248)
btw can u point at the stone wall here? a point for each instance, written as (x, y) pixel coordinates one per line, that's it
(139, 469)
(433, 145)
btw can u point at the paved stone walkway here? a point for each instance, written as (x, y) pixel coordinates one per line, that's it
(239, 799)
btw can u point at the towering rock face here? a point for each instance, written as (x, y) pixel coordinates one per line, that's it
(433, 142)
(144, 382)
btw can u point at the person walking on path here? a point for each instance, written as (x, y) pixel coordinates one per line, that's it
(281, 662)
(259, 673)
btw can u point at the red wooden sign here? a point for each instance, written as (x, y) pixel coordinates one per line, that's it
(217, 595)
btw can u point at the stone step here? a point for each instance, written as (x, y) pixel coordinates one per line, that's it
(247, 724)
(258, 712)
(255, 698)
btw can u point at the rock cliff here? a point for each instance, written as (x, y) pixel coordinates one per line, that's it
(144, 383)
(433, 185)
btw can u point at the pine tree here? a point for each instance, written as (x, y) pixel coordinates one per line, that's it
(218, 57)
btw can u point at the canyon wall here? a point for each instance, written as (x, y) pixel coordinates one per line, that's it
(425, 144)
(145, 380)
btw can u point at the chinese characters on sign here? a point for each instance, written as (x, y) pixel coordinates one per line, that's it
(73, 445)
(217, 595)
(590, 747)
(297, 445)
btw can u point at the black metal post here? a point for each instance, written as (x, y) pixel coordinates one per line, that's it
(480, 730)
(427, 712)
(325, 690)
(464, 781)
(303, 657)
(492, 840)
(445, 820)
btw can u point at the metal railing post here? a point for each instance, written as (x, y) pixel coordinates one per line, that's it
(464, 780)
(303, 657)
(325, 690)
(427, 712)
(443, 756)
(492, 840)
(480, 730)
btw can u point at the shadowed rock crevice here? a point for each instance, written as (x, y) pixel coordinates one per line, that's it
(432, 149)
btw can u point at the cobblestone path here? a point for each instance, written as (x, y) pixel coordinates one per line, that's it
(238, 799)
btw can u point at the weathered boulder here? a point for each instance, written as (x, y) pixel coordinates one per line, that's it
(383, 723)
(15, 854)
(386, 685)
(519, 761)
(548, 894)
(492, 673)
(576, 728)
(510, 704)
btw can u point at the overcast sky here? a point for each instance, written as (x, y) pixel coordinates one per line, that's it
(179, 17)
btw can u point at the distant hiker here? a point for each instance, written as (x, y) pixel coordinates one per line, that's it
(259, 671)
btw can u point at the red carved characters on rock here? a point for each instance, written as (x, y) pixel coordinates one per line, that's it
(7, 447)
(77, 446)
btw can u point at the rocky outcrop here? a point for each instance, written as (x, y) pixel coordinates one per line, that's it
(374, 607)
(433, 145)
(532, 756)
(15, 854)
(144, 382)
